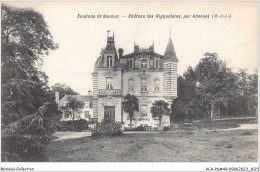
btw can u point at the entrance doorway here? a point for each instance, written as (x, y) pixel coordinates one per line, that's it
(109, 112)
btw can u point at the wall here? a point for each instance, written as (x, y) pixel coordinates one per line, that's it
(109, 101)
(149, 120)
(136, 75)
(108, 72)
(113, 100)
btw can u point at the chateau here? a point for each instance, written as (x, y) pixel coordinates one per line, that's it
(144, 73)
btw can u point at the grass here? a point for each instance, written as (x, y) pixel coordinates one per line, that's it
(213, 125)
(192, 146)
(246, 133)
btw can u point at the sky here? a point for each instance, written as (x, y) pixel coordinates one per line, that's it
(81, 39)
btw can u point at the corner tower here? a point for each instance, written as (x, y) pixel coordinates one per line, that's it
(170, 71)
(107, 83)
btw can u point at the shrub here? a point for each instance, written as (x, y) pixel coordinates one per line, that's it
(24, 148)
(79, 125)
(139, 128)
(167, 128)
(107, 127)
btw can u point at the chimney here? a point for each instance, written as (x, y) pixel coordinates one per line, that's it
(57, 97)
(120, 51)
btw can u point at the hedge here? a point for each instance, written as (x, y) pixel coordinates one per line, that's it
(79, 125)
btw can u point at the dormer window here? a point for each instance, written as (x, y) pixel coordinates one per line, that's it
(109, 61)
(130, 63)
(157, 63)
(144, 64)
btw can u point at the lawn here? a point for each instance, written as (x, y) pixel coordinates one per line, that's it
(182, 146)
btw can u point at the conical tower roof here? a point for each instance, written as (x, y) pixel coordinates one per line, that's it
(170, 55)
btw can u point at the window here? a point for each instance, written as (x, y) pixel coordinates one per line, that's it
(67, 104)
(86, 104)
(109, 83)
(151, 63)
(157, 63)
(144, 64)
(136, 62)
(90, 105)
(130, 85)
(109, 61)
(130, 63)
(144, 110)
(87, 114)
(144, 84)
(67, 114)
(156, 85)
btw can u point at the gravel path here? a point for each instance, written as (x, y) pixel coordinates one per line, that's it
(73, 135)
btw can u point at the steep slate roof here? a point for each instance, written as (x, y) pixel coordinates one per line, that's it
(110, 45)
(131, 55)
(158, 55)
(83, 98)
(170, 55)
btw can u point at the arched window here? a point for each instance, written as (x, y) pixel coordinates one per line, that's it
(144, 110)
(156, 85)
(131, 85)
(109, 83)
(144, 84)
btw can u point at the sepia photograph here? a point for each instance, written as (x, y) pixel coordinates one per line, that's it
(150, 81)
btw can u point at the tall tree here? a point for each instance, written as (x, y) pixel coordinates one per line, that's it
(244, 102)
(74, 106)
(25, 39)
(159, 109)
(216, 81)
(130, 105)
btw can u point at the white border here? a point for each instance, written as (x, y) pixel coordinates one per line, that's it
(87, 166)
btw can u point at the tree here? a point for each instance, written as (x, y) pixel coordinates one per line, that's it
(160, 108)
(63, 90)
(75, 107)
(25, 39)
(244, 100)
(130, 104)
(216, 81)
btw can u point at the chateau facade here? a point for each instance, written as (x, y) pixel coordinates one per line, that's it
(144, 73)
